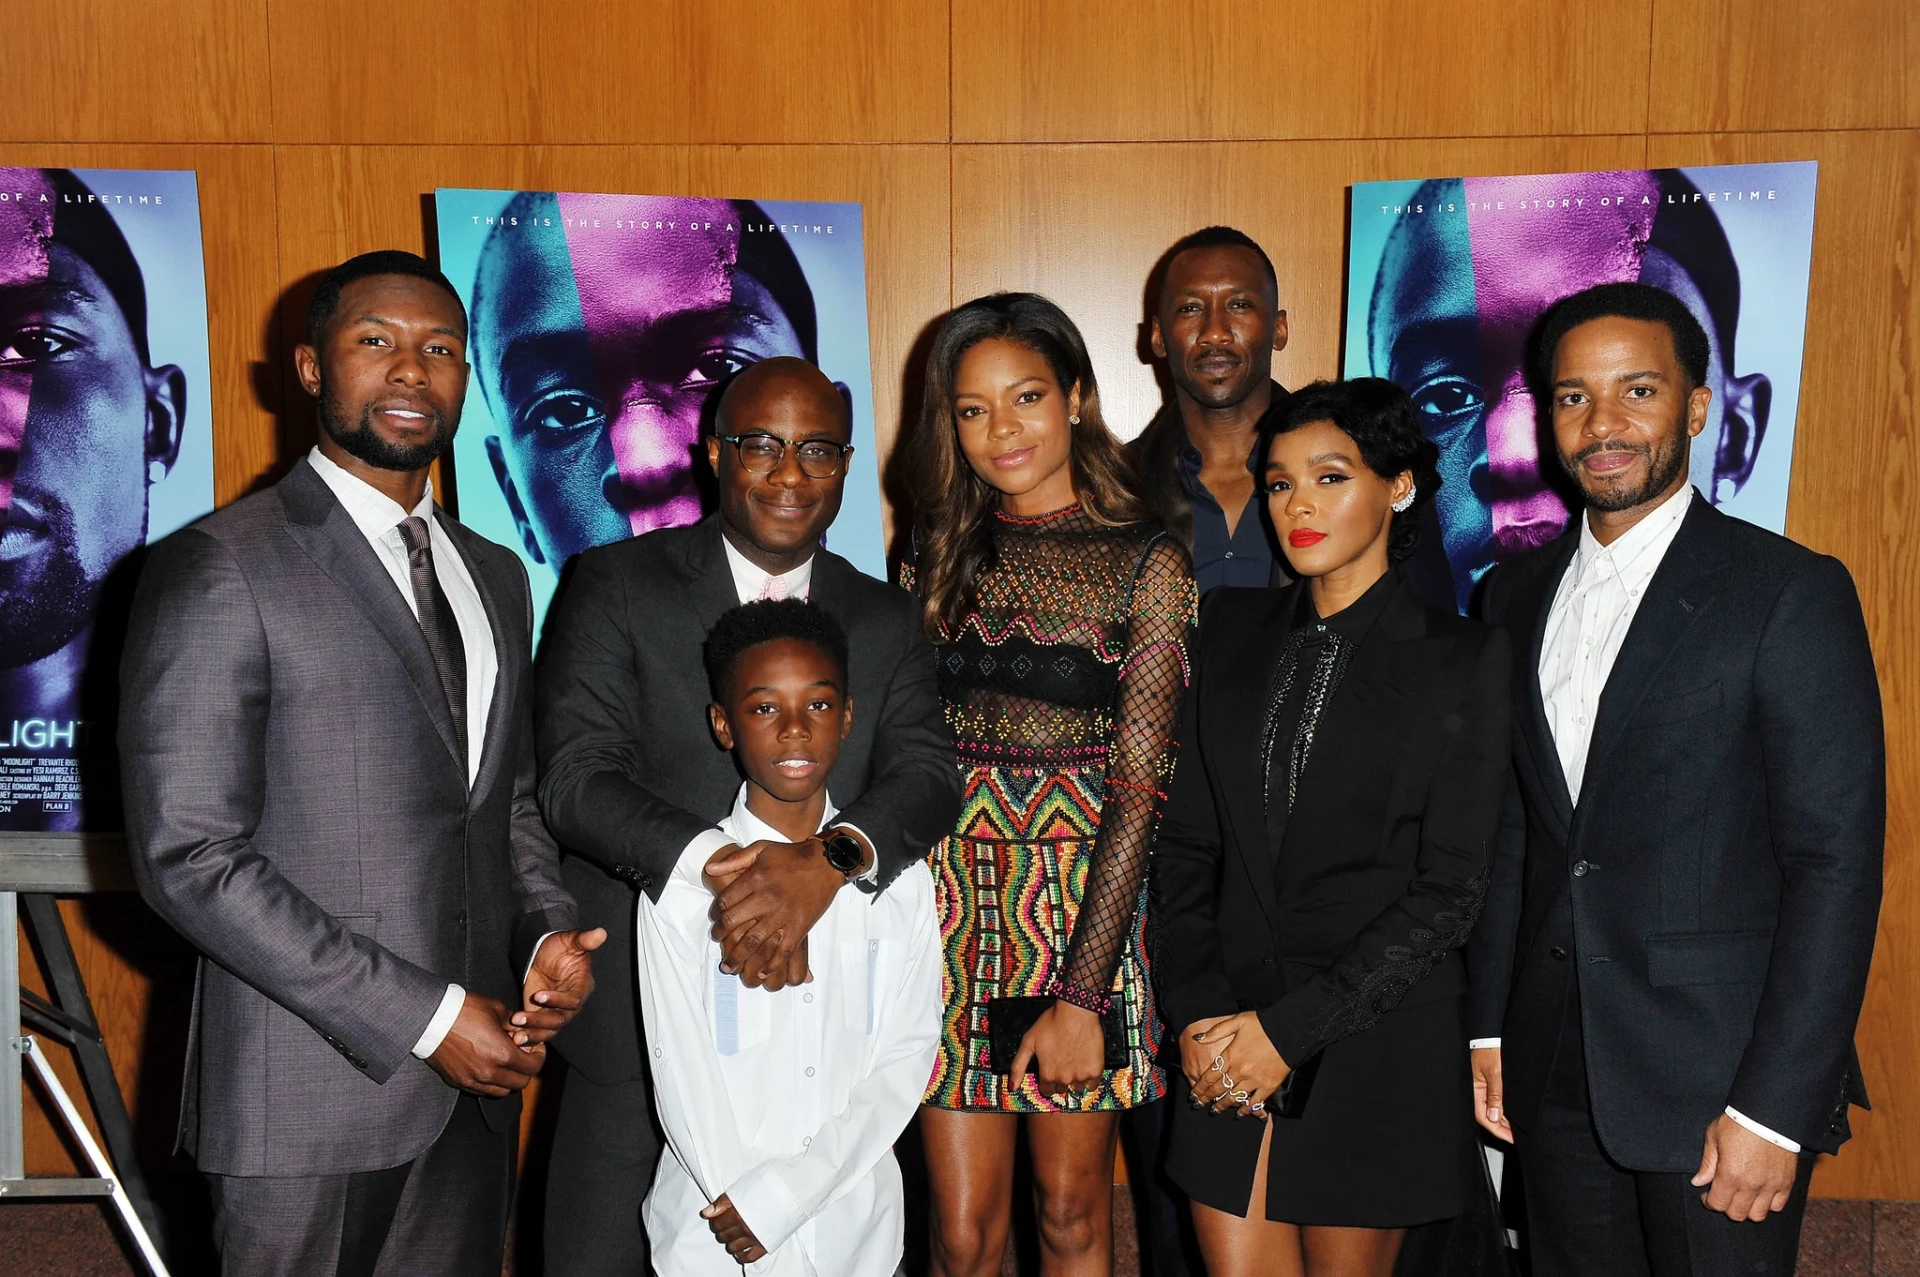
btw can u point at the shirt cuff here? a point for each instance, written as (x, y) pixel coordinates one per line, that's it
(535, 954)
(1771, 1137)
(872, 874)
(694, 858)
(1482, 1043)
(442, 1022)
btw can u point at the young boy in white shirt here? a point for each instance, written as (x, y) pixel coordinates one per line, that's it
(781, 1109)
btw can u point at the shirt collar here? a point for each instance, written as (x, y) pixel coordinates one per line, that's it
(748, 577)
(1645, 543)
(747, 827)
(1354, 620)
(372, 511)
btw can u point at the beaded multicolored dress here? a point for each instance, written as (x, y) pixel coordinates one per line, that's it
(1062, 687)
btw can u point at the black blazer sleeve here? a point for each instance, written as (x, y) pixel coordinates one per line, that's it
(1187, 854)
(1402, 944)
(1491, 948)
(1817, 705)
(913, 797)
(588, 698)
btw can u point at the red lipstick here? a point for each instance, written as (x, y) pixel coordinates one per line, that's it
(1301, 538)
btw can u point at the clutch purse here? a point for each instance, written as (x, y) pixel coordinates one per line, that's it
(1291, 1099)
(1008, 1020)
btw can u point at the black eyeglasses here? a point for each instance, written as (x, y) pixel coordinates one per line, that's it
(763, 453)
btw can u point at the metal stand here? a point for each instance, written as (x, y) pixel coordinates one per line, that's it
(36, 866)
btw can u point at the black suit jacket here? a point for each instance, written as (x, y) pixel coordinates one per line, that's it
(1401, 796)
(630, 773)
(1715, 891)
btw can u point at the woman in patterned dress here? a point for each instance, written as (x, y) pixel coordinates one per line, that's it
(1061, 616)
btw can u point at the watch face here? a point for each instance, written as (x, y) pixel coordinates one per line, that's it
(844, 853)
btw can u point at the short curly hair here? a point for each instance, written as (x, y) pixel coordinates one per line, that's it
(767, 621)
(1624, 301)
(1380, 418)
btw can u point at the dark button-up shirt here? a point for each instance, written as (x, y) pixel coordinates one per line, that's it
(1243, 557)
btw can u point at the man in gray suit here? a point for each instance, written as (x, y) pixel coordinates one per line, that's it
(326, 738)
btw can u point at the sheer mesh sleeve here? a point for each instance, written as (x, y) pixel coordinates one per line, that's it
(1140, 756)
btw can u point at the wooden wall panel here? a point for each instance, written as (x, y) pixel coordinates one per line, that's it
(1083, 70)
(1856, 494)
(1084, 225)
(1784, 64)
(137, 71)
(585, 71)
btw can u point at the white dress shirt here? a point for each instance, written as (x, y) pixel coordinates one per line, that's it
(752, 583)
(378, 517)
(788, 1102)
(1587, 624)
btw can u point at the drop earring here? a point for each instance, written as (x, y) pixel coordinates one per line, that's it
(1405, 503)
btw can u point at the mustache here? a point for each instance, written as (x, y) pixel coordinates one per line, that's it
(1594, 449)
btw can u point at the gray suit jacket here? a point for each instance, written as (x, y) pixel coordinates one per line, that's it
(295, 807)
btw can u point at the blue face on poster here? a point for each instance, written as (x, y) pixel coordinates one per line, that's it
(598, 354)
(92, 424)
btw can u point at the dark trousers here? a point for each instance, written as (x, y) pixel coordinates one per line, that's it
(444, 1214)
(1587, 1216)
(604, 1149)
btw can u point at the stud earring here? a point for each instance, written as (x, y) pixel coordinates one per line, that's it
(156, 471)
(1405, 503)
(1073, 420)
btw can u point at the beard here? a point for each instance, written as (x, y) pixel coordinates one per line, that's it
(359, 439)
(43, 606)
(1664, 465)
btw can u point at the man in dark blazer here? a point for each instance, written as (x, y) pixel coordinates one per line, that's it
(1667, 976)
(327, 742)
(633, 783)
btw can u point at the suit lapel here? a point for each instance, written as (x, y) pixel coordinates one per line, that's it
(1688, 578)
(1256, 838)
(320, 525)
(1531, 610)
(507, 670)
(710, 586)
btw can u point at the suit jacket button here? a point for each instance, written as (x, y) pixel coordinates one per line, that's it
(1559, 954)
(1268, 963)
(1580, 868)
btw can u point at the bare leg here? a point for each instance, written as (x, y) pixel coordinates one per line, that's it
(1254, 1246)
(1352, 1252)
(1073, 1191)
(970, 1172)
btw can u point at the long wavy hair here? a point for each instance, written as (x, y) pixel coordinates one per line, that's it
(954, 507)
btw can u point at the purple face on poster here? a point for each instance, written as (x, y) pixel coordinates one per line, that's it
(1457, 297)
(90, 421)
(598, 362)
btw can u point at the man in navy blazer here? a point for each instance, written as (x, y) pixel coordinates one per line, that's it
(1675, 944)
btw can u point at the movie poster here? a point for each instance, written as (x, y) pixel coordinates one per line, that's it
(602, 326)
(1447, 279)
(106, 444)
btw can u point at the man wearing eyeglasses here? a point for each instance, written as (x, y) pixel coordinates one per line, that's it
(631, 777)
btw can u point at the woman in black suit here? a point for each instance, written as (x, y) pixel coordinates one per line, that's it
(1323, 855)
